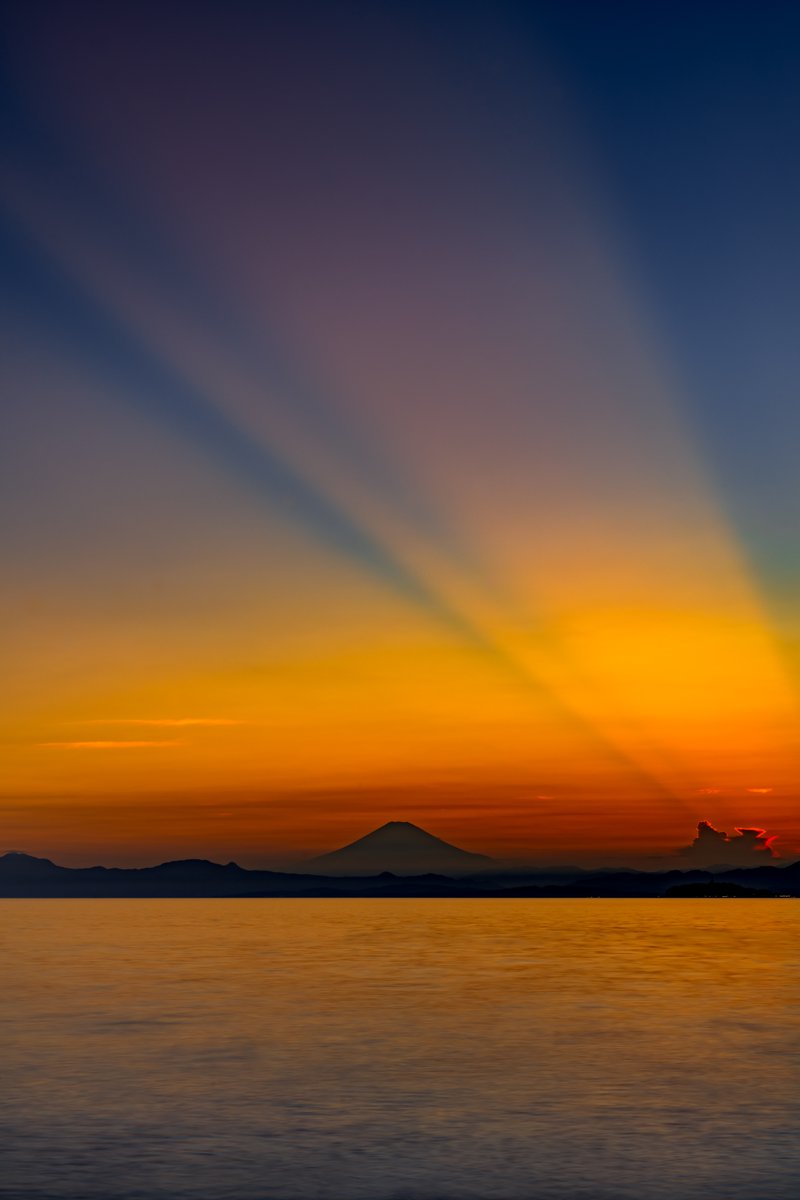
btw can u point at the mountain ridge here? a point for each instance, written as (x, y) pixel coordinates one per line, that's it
(24, 876)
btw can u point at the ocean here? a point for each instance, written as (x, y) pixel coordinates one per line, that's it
(400, 1049)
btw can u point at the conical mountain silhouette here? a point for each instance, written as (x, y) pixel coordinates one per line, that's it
(403, 849)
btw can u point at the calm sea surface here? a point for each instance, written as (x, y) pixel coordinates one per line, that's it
(403, 1049)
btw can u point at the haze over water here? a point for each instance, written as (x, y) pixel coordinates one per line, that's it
(412, 1050)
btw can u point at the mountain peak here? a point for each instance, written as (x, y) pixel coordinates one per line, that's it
(402, 848)
(18, 861)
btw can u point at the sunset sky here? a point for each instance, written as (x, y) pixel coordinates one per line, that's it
(400, 422)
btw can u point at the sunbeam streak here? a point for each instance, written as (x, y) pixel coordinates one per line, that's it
(376, 443)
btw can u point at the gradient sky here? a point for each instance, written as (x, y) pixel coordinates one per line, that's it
(400, 421)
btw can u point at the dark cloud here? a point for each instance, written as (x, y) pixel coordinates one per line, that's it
(744, 848)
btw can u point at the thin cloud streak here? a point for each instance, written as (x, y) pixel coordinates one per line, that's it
(169, 722)
(106, 745)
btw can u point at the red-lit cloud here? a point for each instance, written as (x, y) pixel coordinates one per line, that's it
(744, 848)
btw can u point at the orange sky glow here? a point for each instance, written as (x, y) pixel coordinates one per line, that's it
(388, 507)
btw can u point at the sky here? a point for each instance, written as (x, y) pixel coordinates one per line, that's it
(399, 423)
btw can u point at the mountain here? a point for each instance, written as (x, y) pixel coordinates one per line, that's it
(403, 849)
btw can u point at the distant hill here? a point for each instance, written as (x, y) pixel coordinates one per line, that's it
(24, 877)
(714, 889)
(403, 849)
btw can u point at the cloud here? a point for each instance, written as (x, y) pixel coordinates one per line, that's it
(167, 722)
(745, 848)
(106, 745)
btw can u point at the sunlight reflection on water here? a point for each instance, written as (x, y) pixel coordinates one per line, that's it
(399, 1050)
